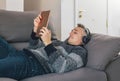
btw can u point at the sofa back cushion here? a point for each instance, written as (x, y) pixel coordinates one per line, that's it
(101, 50)
(16, 26)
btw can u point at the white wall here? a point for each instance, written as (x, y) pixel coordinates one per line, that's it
(92, 14)
(67, 18)
(2, 4)
(32, 5)
(15, 5)
(114, 17)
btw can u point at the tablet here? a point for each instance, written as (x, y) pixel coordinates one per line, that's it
(44, 20)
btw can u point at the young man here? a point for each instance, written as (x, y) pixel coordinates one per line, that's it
(44, 55)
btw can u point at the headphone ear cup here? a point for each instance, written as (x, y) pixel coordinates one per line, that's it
(84, 39)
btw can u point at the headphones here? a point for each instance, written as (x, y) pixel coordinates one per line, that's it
(86, 38)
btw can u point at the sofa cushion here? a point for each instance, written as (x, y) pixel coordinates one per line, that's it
(20, 45)
(7, 79)
(16, 26)
(82, 74)
(101, 50)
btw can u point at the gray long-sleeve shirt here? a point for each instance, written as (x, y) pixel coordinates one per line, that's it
(58, 56)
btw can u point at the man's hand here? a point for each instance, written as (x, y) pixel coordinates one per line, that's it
(45, 35)
(37, 22)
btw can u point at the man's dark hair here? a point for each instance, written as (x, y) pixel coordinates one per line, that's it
(81, 25)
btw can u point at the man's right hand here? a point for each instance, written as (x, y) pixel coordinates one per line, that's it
(37, 22)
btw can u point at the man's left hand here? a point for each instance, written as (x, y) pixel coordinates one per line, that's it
(45, 36)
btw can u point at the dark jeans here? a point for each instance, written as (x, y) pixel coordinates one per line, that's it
(16, 64)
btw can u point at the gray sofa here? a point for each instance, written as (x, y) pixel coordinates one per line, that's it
(103, 51)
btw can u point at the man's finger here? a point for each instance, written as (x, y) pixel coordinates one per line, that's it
(45, 28)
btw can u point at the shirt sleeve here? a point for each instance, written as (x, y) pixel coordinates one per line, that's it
(33, 36)
(35, 41)
(50, 49)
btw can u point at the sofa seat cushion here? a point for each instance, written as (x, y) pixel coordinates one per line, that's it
(20, 45)
(82, 74)
(7, 79)
(101, 50)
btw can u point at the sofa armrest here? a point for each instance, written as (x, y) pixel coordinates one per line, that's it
(113, 70)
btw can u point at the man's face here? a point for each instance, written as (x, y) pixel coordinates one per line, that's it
(76, 36)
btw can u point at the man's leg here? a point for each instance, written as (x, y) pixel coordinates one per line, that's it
(5, 48)
(11, 65)
(16, 64)
(5, 44)
(19, 66)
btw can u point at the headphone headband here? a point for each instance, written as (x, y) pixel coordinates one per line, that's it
(86, 38)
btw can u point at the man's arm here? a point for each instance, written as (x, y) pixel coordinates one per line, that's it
(35, 40)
